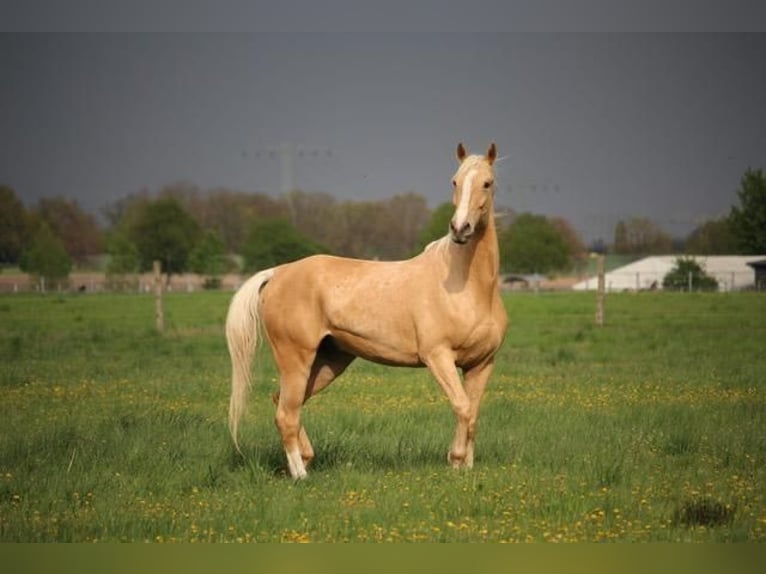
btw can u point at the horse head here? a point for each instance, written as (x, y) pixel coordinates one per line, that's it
(473, 192)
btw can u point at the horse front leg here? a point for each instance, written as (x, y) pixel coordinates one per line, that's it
(475, 381)
(443, 368)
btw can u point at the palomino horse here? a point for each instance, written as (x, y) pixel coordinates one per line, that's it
(440, 309)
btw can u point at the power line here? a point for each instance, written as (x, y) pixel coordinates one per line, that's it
(287, 154)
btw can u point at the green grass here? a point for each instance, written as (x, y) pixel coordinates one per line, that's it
(649, 429)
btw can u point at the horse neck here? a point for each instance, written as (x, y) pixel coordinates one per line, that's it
(476, 264)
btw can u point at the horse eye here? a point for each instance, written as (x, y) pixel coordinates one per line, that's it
(454, 183)
(487, 184)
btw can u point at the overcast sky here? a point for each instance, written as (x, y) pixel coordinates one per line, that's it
(594, 127)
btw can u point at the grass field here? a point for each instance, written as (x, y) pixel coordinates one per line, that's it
(650, 429)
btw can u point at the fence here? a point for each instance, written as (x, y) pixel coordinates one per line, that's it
(618, 281)
(101, 283)
(615, 282)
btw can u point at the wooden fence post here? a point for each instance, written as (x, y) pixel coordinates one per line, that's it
(159, 313)
(600, 294)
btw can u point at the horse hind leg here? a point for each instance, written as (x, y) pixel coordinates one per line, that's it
(288, 420)
(304, 444)
(328, 364)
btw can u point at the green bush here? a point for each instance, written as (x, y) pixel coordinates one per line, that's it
(46, 258)
(678, 279)
(273, 242)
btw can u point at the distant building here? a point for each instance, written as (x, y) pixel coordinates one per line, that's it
(759, 267)
(733, 272)
(516, 282)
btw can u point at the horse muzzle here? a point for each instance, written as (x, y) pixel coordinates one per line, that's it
(460, 234)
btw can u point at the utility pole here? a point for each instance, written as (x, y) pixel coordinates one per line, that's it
(286, 164)
(601, 291)
(286, 155)
(159, 313)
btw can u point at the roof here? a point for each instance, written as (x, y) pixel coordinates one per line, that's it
(731, 272)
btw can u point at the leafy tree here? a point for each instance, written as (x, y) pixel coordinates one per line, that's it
(124, 255)
(165, 231)
(126, 211)
(76, 228)
(408, 214)
(317, 215)
(14, 225)
(124, 261)
(531, 244)
(437, 226)
(748, 220)
(713, 237)
(46, 258)
(639, 236)
(208, 258)
(358, 230)
(573, 240)
(273, 242)
(385, 229)
(371, 230)
(230, 214)
(677, 279)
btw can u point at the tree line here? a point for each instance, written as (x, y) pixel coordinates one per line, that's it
(212, 232)
(741, 231)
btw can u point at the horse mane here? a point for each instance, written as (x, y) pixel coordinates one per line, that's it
(436, 243)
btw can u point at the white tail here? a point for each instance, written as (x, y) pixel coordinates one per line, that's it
(242, 338)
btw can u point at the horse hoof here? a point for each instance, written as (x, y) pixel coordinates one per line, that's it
(455, 461)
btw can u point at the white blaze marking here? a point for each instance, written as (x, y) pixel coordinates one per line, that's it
(461, 214)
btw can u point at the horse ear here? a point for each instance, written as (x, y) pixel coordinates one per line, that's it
(461, 153)
(491, 153)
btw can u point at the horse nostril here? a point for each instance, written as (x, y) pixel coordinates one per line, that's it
(460, 235)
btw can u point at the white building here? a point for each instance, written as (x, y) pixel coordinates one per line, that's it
(731, 272)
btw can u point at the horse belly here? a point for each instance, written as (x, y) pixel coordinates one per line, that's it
(370, 318)
(377, 351)
(380, 341)
(374, 331)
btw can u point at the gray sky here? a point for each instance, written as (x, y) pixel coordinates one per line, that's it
(596, 127)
